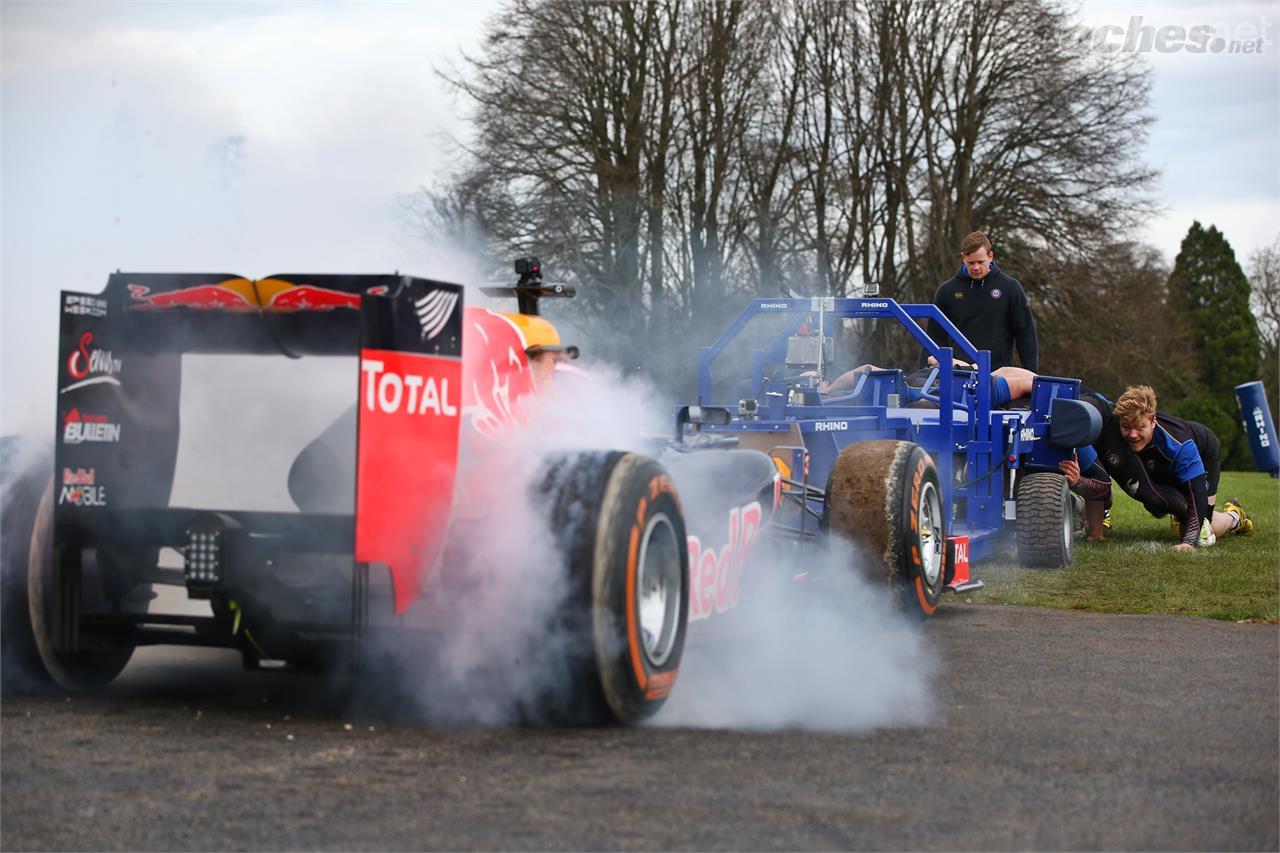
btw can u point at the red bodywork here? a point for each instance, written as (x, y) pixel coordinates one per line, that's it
(407, 454)
(412, 407)
(419, 387)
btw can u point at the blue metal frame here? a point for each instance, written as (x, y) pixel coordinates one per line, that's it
(992, 441)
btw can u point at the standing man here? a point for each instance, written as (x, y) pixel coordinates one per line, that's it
(988, 307)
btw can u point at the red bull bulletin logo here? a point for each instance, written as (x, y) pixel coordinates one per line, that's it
(81, 427)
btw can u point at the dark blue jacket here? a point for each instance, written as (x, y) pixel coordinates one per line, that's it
(992, 312)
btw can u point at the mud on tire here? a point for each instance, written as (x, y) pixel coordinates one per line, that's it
(885, 495)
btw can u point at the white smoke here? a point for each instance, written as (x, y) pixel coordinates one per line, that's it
(827, 653)
(25, 467)
(502, 640)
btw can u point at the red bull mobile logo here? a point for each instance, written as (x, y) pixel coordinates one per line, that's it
(80, 489)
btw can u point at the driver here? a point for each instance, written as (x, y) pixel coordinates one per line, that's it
(542, 347)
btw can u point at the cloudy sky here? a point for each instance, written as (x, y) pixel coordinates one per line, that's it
(269, 137)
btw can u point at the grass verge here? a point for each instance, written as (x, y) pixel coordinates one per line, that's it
(1135, 571)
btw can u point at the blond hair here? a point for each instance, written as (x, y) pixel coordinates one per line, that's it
(1137, 402)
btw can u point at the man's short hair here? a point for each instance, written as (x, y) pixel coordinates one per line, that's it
(1137, 402)
(974, 241)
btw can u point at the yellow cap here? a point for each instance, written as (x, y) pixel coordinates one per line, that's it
(539, 335)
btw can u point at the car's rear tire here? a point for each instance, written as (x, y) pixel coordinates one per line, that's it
(886, 495)
(25, 468)
(1046, 521)
(618, 521)
(102, 658)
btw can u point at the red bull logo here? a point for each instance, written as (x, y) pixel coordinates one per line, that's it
(308, 297)
(241, 294)
(90, 365)
(77, 477)
(202, 297)
(498, 386)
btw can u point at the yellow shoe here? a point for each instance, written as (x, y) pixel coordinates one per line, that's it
(1106, 519)
(1176, 525)
(1245, 525)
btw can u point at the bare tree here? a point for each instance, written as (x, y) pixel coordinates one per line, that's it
(1264, 280)
(675, 157)
(1028, 135)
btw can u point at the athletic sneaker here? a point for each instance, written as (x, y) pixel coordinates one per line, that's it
(1207, 538)
(1106, 519)
(1176, 525)
(1245, 526)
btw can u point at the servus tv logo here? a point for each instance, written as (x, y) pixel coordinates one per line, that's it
(90, 365)
(80, 489)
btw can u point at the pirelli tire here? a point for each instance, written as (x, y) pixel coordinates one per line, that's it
(619, 523)
(100, 658)
(24, 470)
(886, 495)
(1046, 521)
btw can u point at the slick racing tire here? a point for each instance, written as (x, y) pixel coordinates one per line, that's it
(25, 467)
(100, 658)
(1046, 521)
(885, 495)
(619, 524)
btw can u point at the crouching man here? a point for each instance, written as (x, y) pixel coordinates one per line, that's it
(1171, 466)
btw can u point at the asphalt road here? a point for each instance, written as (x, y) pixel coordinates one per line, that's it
(1053, 730)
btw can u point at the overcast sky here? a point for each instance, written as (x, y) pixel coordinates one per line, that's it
(257, 138)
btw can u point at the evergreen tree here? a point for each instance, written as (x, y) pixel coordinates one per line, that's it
(1209, 286)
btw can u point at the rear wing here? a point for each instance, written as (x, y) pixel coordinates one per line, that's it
(119, 385)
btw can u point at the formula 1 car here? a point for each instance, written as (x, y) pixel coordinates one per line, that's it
(929, 476)
(379, 504)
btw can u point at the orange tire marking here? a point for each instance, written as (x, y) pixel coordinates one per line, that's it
(660, 685)
(924, 601)
(633, 633)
